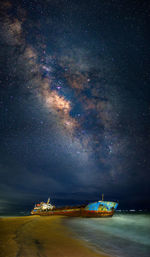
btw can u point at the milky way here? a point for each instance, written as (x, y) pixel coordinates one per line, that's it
(74, 112)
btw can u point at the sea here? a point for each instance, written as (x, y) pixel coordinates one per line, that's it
(124, 235)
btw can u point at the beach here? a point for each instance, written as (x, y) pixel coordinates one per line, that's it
(35, 236)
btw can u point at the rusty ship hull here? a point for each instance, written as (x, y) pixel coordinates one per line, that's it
(73, 212)
(93, 210)
(96, 214)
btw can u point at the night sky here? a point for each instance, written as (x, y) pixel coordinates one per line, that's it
(74, 102)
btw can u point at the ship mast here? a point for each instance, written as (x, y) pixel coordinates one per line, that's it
(48, 200)
(102, 197)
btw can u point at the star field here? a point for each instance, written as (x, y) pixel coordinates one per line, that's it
(74, 101)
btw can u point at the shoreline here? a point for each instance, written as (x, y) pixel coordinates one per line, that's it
(41, 236)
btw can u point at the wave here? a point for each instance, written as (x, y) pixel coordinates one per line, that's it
(124, 235)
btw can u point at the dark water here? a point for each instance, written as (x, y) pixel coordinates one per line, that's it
(124, 235)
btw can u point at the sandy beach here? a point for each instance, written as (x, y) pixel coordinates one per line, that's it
(35, 236)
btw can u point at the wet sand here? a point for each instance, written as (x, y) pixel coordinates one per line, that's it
(36, 236)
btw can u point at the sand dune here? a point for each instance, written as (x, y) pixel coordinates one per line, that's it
(40, 237)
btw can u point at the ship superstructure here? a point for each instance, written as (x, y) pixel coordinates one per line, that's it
(43, 207)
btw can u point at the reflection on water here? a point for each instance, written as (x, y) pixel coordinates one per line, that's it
(124, 235)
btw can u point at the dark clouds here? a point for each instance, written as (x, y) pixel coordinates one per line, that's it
(74, 99)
